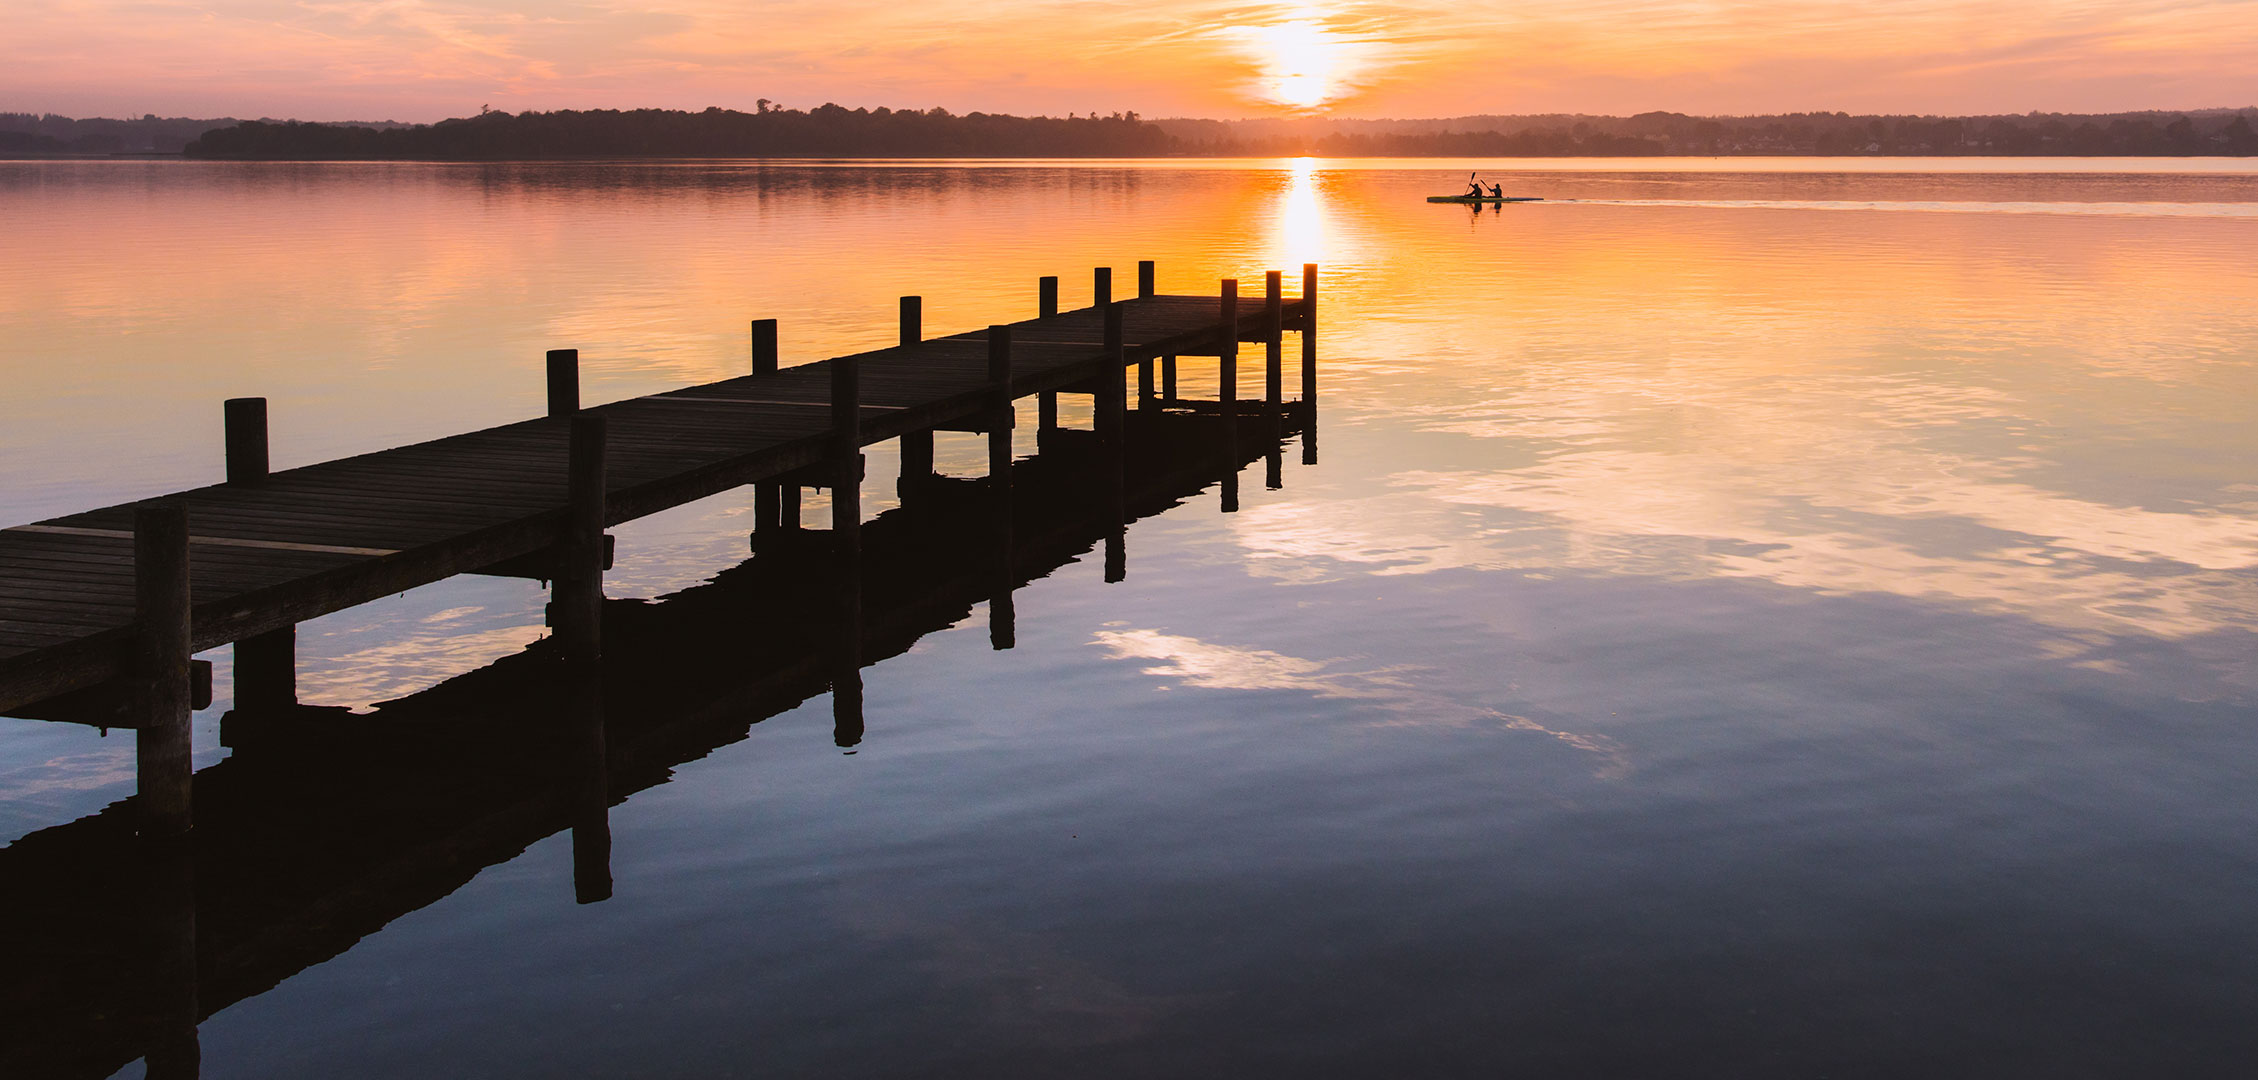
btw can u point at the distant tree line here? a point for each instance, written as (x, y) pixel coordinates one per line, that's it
(825, 131)
(836, 131)
(2150, 134)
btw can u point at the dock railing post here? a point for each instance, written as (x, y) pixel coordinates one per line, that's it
(913, 320)
(163, 765)
(764, 346)
(1046, 404)
(564, 382)
(1110, 405)
(1002, 614)
(1145, 289)
(1101, 286)
(846, 539)
(1274, 334)
(1309, 363)
(578, 594)
(1113, 438)
(246, 438)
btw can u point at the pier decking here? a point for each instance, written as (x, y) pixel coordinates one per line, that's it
(100, 610)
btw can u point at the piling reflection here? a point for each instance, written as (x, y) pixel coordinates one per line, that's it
(326, 825)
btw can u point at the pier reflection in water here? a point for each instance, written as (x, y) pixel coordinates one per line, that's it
(326, 825)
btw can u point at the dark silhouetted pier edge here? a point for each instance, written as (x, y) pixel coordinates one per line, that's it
(101, 611)
(307, 839)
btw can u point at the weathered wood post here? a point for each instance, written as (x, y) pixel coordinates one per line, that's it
(788, 505)
(1309, 364)
(1113, 441)
(246, 438)
(1168, 379)
(1046, 404)
(1228, 383)
(767, 497)
(266, 676)
(916, 446)
(162, 748)
(1274, 341)
(1146, 289)
(577, 596)
(564, 382)
(1001, 414)
(1101, 286)
(1002, 612)
(846, 549)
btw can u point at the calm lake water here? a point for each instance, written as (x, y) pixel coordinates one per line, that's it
(1754, 619)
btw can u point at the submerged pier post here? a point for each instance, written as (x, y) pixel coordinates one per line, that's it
(564, 381)
(1309, 364)
(163, 766)
(1274, 341)
(245, 420)
(846, 550)
(588, 784)
(577, 596)
(1046, 403)
(1168, 379)
(168, 932)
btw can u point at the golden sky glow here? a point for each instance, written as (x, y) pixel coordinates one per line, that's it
(426, 59)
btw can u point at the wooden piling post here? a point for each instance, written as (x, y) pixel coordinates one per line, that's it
(246, 439)
(913, 320)
(1000, 412)
(1309, 338)
(1145, 289)
(1168, 379)
(1110, 405)
(767, 494)
(846, 538)
(764, 347)
(168, 930)
(1101, 286)
(916, 446)
(266, 671)
(1046, 404)
(788, 506)
(1309, 364)
(578, 593)
(564, 382)
(1228, 384)
(1274, 335)
(163, 765)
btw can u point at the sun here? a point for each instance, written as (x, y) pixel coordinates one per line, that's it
(1304, 63)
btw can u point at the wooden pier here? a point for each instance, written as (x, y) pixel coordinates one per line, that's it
(101, 611)
(307, 839)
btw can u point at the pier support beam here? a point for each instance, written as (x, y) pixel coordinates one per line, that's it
(161, 667)
(266, 672)
(564, 381)
(577, 597)
(846, 550)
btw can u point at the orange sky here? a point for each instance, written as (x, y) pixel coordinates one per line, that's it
(428, 59)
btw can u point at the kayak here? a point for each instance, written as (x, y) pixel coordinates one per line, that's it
(1484, 198)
